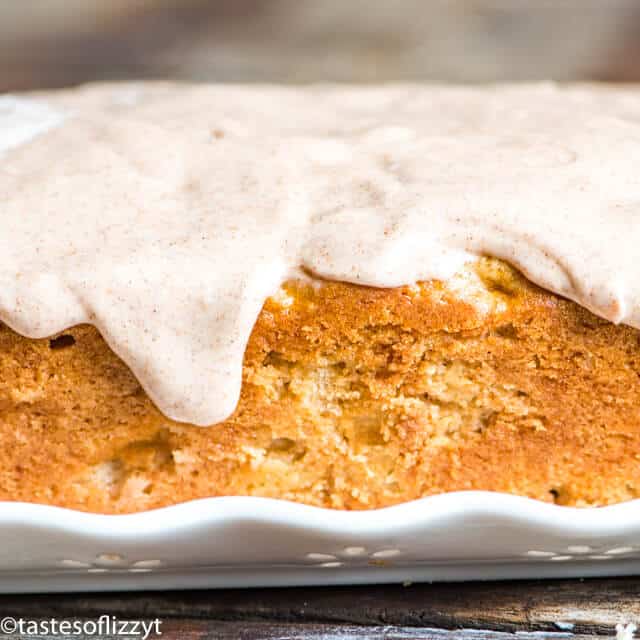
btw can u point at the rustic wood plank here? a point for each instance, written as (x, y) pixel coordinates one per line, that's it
(193, 629)
(582, 607)
(280, 631)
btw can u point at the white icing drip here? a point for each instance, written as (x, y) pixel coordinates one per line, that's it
(167, 220)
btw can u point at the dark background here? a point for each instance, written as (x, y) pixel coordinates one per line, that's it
(52, 43)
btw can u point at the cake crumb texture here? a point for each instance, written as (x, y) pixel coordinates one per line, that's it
(352, 398)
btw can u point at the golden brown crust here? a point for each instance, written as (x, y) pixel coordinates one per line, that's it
(352, 398)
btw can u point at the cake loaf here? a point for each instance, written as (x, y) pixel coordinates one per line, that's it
(347, 297)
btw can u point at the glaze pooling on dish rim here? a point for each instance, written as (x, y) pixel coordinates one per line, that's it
(165, 215)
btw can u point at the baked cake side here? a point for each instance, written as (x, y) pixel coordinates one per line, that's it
(352, 398)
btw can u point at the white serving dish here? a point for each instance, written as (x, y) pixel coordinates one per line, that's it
(246, 542)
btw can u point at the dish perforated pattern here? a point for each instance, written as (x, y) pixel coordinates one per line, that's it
(224, 542)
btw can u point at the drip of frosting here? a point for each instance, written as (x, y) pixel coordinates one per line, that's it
(166, 215)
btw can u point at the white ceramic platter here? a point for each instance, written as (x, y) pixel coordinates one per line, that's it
(243, 542)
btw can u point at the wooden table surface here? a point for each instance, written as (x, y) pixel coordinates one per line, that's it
(552, 609)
